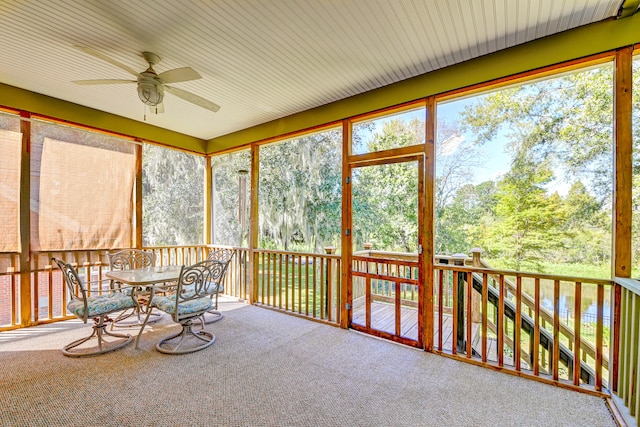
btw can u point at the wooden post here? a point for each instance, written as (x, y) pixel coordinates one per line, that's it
(330, 292)
(25, 223)
(476, 315)
(208, 200)
(622, 191)
(367, 246)
(428, 229)
(253, 227)
(347, 238)
(137, 200)
(458, 259)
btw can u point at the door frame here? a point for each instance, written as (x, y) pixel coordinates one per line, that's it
(399, 155)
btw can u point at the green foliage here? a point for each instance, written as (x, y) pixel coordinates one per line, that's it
(385, 197)
(173, 197)
(300, 193)
(231, 191)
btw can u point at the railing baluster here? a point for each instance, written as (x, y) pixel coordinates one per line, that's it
(440, 308)
(485, 314)
(306, 284)
(398, 307)
(599, 338)
(536, 329)
(518, 325)
(454, 320)
(314, 284)
(577, 333)
(556, 330)
(469, 315)
(500, 323)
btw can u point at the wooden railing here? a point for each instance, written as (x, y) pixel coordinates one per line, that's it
(627, 350)
(512, 338)
(300, 283)
(511, 321)
(48, 295)
(505, 320)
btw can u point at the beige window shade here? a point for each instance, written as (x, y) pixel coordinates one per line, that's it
(84, 198)
(10, 149)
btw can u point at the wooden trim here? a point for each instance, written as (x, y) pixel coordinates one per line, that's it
(137, 199)
(622, 191)
(208, 200)
(428, 230)
(294, 135)
(253, 226)
(88, 128)
(346, 238)
(394, 109)
(422, 307)
(623, 159)
(527, 76)
(392, 155)
(25, 222)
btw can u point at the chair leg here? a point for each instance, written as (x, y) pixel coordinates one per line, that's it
(164, 345)
(212, 315)
(99, 331)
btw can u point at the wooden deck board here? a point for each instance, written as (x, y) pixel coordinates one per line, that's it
(383, 319)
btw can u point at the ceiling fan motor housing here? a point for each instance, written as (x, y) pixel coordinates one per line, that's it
(150, 91)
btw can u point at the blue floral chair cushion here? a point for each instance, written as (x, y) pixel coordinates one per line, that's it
(101, 304)
(210, 287)
(168, 304)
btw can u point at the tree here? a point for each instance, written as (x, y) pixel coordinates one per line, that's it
(300, 192)
(173, 197)
(558, 131)
(528, 221)
(385, 197)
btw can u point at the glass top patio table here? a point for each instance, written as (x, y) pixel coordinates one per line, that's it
(146, 277)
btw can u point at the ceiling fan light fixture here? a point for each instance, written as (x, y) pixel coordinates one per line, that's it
(150, 93)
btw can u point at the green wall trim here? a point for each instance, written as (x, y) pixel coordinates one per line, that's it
(35, 103)
(577, 43)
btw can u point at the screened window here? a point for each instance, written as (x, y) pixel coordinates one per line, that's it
(300, 193)
(81, 189)
(10, 149)
(396, 130)
(230, 198)
(172, 197)
(525, 174)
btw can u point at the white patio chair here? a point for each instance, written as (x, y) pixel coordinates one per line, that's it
(193, 298)
(129, 259)
(223, 255)
(85, 305)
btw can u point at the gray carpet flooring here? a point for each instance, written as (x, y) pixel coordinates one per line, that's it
(268, 369)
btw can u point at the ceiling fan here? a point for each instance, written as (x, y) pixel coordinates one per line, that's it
(151, 85)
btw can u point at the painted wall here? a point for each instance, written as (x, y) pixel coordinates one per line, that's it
(584, 41)
(20, 99)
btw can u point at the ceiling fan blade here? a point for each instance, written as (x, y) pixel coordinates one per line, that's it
(194, 99)
(179, 75)
(105, 58)
(102, 82)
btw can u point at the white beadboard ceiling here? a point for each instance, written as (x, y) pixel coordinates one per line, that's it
(260, 60)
